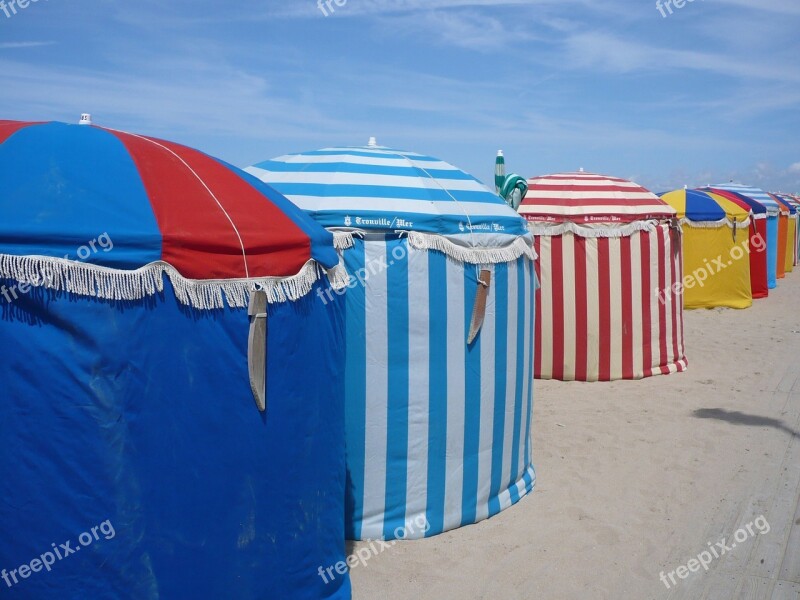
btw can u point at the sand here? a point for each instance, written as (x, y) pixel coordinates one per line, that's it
(638, 477)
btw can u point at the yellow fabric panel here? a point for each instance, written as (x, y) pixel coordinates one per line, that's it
(732, 210)
(791, 237)
(703, 251)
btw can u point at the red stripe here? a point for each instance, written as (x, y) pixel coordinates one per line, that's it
(647, 299)
(198, 238)
(581, 310)
(9, 128)
(627, 308)
(604, 291)
(662, 307)
(537, 350)
(557, 286)
(677, 300)
(578, 177)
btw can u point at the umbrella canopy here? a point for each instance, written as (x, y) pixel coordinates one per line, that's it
(590, 198)
(167, 208)
(757, 194)
(697, 206)
(381, 189)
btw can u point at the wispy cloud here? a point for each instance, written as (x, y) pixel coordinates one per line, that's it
(12, 45)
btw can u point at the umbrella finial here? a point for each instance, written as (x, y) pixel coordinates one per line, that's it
(86, 119)
(373, 143)
(580, 170)
(499, 153)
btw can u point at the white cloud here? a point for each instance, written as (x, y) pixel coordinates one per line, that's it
(12, 45)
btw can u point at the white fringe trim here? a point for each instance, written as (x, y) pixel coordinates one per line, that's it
(591, 231)
(469, 254)
(716, 224)
(342, 240)
(113, 284)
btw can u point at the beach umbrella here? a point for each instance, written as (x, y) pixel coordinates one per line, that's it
(143, 284)
(610, 272)
(439, 335)
(715, 249)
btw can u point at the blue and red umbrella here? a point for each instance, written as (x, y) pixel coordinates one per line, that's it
(161, 203)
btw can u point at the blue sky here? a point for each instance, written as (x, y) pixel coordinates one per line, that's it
(707, 94)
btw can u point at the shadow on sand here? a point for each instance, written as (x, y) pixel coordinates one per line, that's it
(739, 418)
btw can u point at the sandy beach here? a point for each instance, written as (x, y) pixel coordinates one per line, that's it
(636, 478)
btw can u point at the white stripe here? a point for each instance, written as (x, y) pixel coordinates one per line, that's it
(377, 350)
(488, 336)
(370, 179)
(350, 159)
(670, 297)
(538, 194)
(456, 392)
(418, 386)
(526, 372)
(592, 310)
(615, 286)
(655, 307)
(637, 295)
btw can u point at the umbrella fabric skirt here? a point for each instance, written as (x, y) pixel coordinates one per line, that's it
(611, 307)
(139, 416)
(438, 431)
(783, 235)
(772, 251)
(724, 264)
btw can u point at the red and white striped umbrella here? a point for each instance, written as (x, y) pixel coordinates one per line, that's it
(589, 198)
(609, 306)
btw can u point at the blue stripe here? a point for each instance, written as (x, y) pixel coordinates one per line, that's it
(434, 223)
(54, 186)
(362, 169)
(356, 386)
(398, 388)
(472, 408)
(772, 251)
(501, 368)
(437, 433)
(346, 190)
(366, 154)
(515, 470)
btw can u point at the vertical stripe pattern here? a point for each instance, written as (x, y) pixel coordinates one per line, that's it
(614, 313)
(437, 431)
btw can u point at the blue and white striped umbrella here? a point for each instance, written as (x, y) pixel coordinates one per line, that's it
(757, 194)
(377, 188)
(439, 325)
